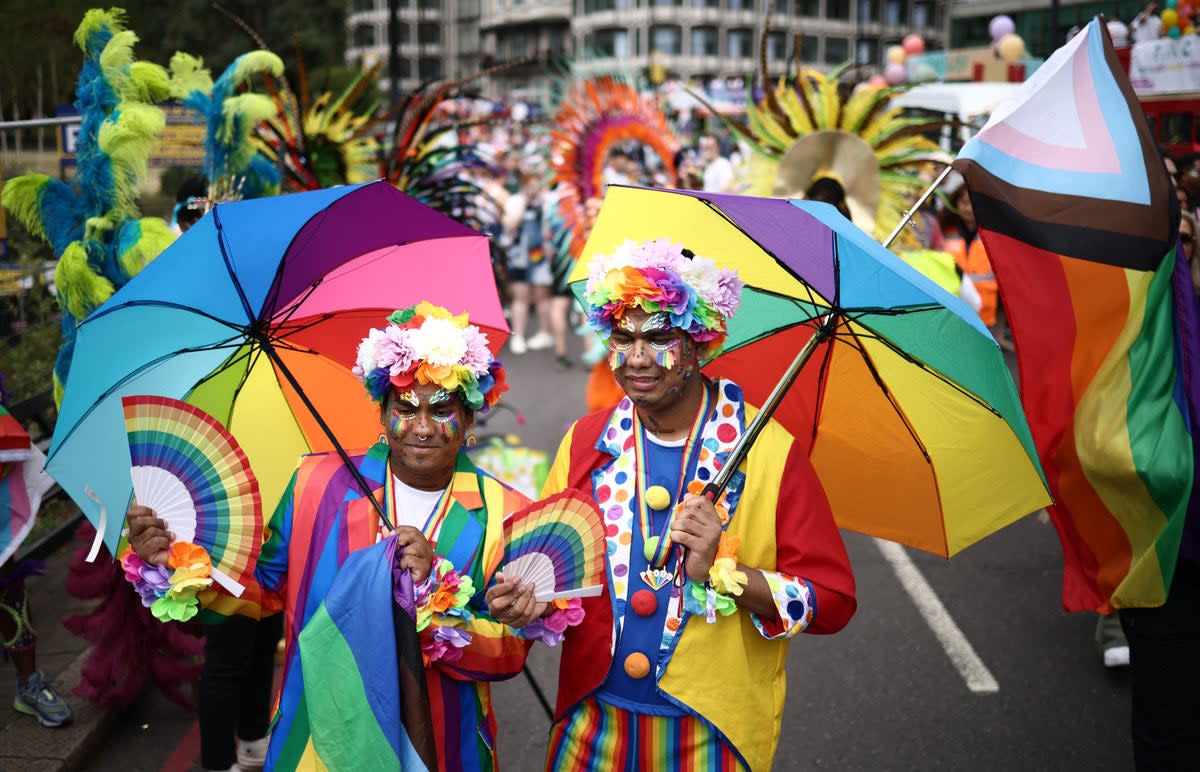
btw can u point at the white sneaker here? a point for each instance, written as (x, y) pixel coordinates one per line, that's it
(252, 754)
(541, 340)
(1117, 656)
(517, 345)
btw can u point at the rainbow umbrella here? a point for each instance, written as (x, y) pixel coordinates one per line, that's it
(912, 419)
(254, 315)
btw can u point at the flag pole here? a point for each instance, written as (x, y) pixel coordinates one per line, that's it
(908, 215)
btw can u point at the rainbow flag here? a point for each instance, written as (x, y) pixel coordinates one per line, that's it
(368, 706)
(1080, 218)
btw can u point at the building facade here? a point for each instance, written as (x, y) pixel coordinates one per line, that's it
(685, 39)
(439, 39)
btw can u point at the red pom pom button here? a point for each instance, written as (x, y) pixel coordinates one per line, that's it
(644, 603)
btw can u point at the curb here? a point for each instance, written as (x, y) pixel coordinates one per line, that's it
(28, 746)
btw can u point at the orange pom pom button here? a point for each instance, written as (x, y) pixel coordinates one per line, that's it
(637, 666)
(644, 603)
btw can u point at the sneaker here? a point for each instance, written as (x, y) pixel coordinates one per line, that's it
(1117, 656)
(516, 344)
(37, 698)
(541, 340)
(564, 362)
(252, 753)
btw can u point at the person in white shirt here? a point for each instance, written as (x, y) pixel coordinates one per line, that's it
(718, 171)
(1147, 26)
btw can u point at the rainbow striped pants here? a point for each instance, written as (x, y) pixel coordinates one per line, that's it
(603, 738)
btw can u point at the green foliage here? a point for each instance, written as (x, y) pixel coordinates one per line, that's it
(29, 321)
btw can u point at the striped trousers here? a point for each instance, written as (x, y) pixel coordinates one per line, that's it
(599, 737)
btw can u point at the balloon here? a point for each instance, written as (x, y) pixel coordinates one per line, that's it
(923, 73)
(894, 73)
(1172, 3)
(1189, 30)
(1185, 11)
(896, 55)
(1000, 26)
(913, 44)
(1011, 48)
(1173, 32)
(877, 81)
(1170, 18)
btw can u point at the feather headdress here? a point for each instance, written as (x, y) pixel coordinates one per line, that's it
(92, 223)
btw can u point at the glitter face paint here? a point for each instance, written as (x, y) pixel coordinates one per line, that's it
(440, 397)
(664, 354)
(626, 324)
(449, 426)
(655, 322)
(399, 422)
(617, 354)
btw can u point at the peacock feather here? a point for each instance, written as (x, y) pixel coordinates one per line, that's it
(92, 222)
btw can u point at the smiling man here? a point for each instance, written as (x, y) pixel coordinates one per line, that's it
(430, 372)
(680, 663)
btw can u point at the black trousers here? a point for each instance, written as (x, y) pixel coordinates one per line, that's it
(1164, 651)
(235, 686)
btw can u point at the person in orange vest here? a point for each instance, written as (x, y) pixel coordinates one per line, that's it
(957, 221)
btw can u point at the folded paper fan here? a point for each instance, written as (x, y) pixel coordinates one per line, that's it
(558, 546)
(191, 471)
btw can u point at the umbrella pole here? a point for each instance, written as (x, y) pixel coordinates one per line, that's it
(824, 332)
(367, 490)
(909, 214)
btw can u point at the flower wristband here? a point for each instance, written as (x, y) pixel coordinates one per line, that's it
(551, 628)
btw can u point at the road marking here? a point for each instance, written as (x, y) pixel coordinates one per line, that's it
(979, 679)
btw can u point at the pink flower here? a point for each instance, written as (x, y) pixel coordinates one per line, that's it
(478, 356)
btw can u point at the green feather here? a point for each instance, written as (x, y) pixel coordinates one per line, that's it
(251, 109)
(256, 62)
(189, 74)
(129, 141)
(151, 82)
(21, 196)
(81, 290)
(156, 236)
(97, 19)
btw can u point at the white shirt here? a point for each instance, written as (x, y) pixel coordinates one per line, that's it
(1146, 28)
(413, 506)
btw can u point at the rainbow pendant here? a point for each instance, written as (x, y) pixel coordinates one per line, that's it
(657, 578)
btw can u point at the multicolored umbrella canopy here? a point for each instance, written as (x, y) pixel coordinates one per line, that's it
(254, 315)
(915, 427)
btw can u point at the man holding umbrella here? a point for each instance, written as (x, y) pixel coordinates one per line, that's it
(429, 371)
(681, 661)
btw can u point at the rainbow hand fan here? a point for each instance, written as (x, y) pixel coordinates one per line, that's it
(191, 471)
(557, 545)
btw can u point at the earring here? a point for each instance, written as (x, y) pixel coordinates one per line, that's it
(472, 440)
(382, 438)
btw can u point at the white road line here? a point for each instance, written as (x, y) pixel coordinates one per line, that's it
(958, 649)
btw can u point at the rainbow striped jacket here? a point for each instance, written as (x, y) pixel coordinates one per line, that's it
(323, 518)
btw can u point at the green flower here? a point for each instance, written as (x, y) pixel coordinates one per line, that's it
(169, 609)
(402, 316)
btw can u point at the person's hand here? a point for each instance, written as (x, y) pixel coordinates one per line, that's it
(148, 535)
(698, 528)
(511, 602)
(415, 553)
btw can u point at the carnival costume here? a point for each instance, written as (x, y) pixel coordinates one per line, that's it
(93, 226)
(805, 128)
(325, 520)
(643, 681)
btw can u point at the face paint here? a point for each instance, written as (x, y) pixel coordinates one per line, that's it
(664, 354)
(654, 322)
(409, 398)
(617, 354)
(626, 324)
(399, 422)
(449, 426)
(440, 397)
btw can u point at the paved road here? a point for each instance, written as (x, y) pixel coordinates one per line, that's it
(881, 695)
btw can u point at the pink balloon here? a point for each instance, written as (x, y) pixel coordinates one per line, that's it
(1000, 26)
(1185, 12)
(877, 81)
(913, 44)
(895, 73)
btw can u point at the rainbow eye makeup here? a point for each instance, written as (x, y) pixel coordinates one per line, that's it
(665, 354)
(617, 354)
(399, 422)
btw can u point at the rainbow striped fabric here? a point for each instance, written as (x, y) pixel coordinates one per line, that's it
(599, 736)
(1080, 219)
(323, 523)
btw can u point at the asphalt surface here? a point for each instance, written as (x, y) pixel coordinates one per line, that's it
(881, 695)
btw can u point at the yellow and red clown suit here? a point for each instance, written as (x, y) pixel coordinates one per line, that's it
(652, 678)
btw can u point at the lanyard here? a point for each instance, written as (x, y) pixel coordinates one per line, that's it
(437, 516)
(657, 547)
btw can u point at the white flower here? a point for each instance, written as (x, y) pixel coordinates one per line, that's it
(438, 342)
(368, 352)
(702, 275)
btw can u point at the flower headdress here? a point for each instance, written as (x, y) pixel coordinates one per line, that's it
(427, 344)
(660, 277)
